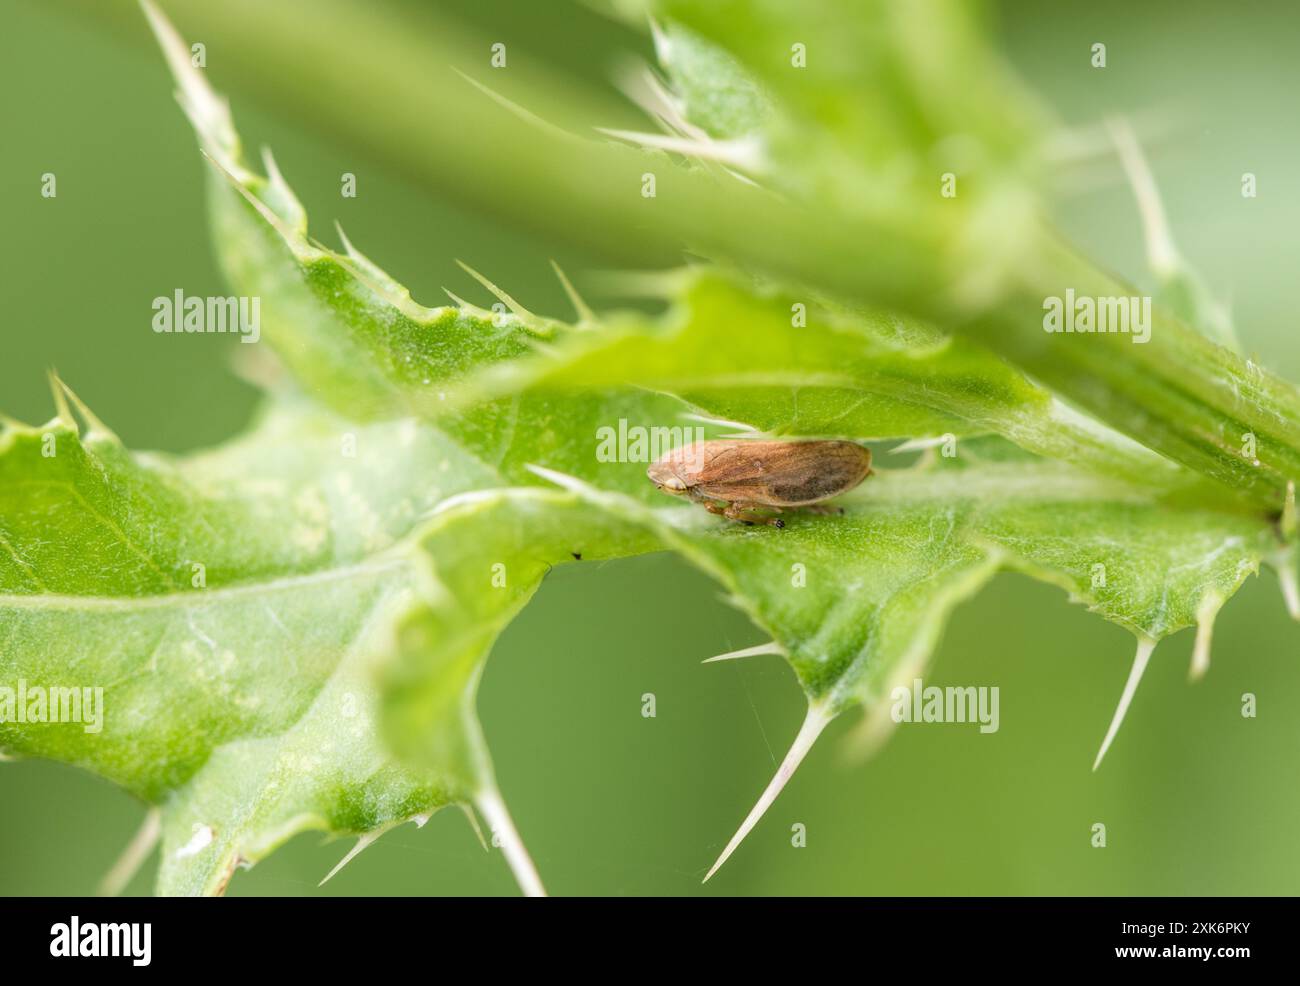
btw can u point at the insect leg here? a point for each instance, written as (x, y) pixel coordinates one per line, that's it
(709, 504)
(714, 507)
(746, 513)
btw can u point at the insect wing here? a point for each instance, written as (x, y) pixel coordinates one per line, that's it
(782, 473)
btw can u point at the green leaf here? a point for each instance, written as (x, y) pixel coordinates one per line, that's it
(716, 92)
(1181, 288)
(856, 604)
(915, 543)
(896, 94)
(245, 706)
(866, 107)
(874, 75)
(407, 563)
(358, 340)
(488, 552)
(979, 264)
(228, 605)
(786, 364)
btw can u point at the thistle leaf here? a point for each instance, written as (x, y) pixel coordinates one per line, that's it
(913, 544)
(788, 365)
(218, 614)
(318, 670)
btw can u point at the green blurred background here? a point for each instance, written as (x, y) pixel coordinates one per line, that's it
(1195, 798)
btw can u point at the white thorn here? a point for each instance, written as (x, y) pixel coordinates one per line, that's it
(1201, 651)
(585, 314)
(70, 407)
(292, 238)
(1144, 648)
(206, 110)
(817, 719)
(528, 116)
(501, 296)
(1162, 255)
(744, 152)
(1290, 589)
(641, 84)
(918, 444)
(771, 647)
(273, 174)
(62, 409)
(663, 46)
(135, 853)
(561, 479)
(1205, 615)
(348, 248)
(283, 191)
(363, 842)
(1086, 144)
(705, 419)
(477, 829)
(494, 810)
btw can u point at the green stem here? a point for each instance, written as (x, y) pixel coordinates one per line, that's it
(1180, 394)
(400, 95)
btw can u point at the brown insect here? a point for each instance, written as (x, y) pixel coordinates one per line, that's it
(748, 480)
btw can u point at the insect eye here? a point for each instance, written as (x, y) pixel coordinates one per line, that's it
(675, 484)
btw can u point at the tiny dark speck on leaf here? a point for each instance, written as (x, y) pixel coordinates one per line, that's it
(577, 555)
